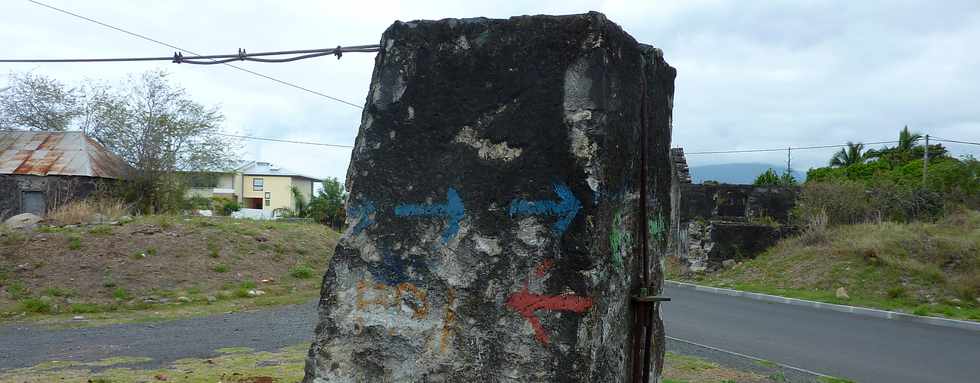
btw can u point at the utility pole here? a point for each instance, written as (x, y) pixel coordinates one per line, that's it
(925, 161)
(789, 160)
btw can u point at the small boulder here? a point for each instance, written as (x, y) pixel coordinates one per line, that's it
(728, 263)
(212, 299)
(97, 218)
(255, 293)
(22, 221)
(842, 293)
(261, 238)
(183, 299)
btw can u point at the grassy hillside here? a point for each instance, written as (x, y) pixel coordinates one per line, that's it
(158, 262)
(920, 268)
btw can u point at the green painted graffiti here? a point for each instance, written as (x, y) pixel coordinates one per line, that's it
(620, 240)
(656, 227)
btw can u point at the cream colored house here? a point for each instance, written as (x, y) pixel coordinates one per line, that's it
(256, 185)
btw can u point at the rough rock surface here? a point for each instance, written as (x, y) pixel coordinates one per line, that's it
(21, 221)
(495, 227)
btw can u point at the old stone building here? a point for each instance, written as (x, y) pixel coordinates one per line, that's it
(712, 223)
(42, 170)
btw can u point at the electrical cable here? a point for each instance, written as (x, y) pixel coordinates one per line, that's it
(254, 73)
(787, 148)
(285, 141)
(241, 56)
(958, 142)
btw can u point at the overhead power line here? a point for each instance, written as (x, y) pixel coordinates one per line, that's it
(242, 55)
(254, 73)
(958, 142)
(787, 148)
(285, 141)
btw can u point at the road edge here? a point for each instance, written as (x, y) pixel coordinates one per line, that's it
(876, 313)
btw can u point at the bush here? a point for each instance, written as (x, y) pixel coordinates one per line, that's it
(229, 207)
(841, 201)
(220, 269)
(197, 203)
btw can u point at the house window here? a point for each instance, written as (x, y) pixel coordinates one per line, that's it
(257, 184)
(268, 198)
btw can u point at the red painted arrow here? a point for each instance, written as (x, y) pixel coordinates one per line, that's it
(526, 303)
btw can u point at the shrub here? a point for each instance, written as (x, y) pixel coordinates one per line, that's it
(301, 272)
(841, 201)
(197, 203)
(220, 268)
(229, 207)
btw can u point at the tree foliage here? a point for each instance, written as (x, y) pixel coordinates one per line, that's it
(852, 154)
(35, 102)
(148, 121)
(770, 178)
(327, 206)
(892, 178)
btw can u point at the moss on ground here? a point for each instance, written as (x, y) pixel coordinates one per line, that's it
(920, 268)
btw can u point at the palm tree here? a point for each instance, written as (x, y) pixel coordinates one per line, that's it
(907, 140)
(848, 156)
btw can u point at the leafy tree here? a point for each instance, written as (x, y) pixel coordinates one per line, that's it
(848, 156)
(770, 178)
(767, 178)
(157, 129)
(36, 102)
(327, 206)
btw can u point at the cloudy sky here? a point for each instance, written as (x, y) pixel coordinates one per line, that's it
(760, 74)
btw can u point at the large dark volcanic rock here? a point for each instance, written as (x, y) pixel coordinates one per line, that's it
(495, 205)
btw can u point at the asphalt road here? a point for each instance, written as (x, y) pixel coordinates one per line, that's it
(845, 345)
(860, 348)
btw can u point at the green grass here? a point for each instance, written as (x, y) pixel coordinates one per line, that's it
(100, 230)
(919, 268)
(214, 249)
(301, 272)
(831, 379)
(59, 292)
(86, 308)
(17, 290)
(220, 268)
(35, 305)
(74, 242)
(120, 294)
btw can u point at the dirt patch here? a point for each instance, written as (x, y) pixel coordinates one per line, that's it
(158, 260)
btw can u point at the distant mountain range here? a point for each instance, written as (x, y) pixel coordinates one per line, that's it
(739, 173)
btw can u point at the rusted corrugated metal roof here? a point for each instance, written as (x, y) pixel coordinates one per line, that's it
(58, 153)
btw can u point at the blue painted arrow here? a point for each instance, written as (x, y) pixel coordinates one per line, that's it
(363, 213)
(452, 209)
(566, 208)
